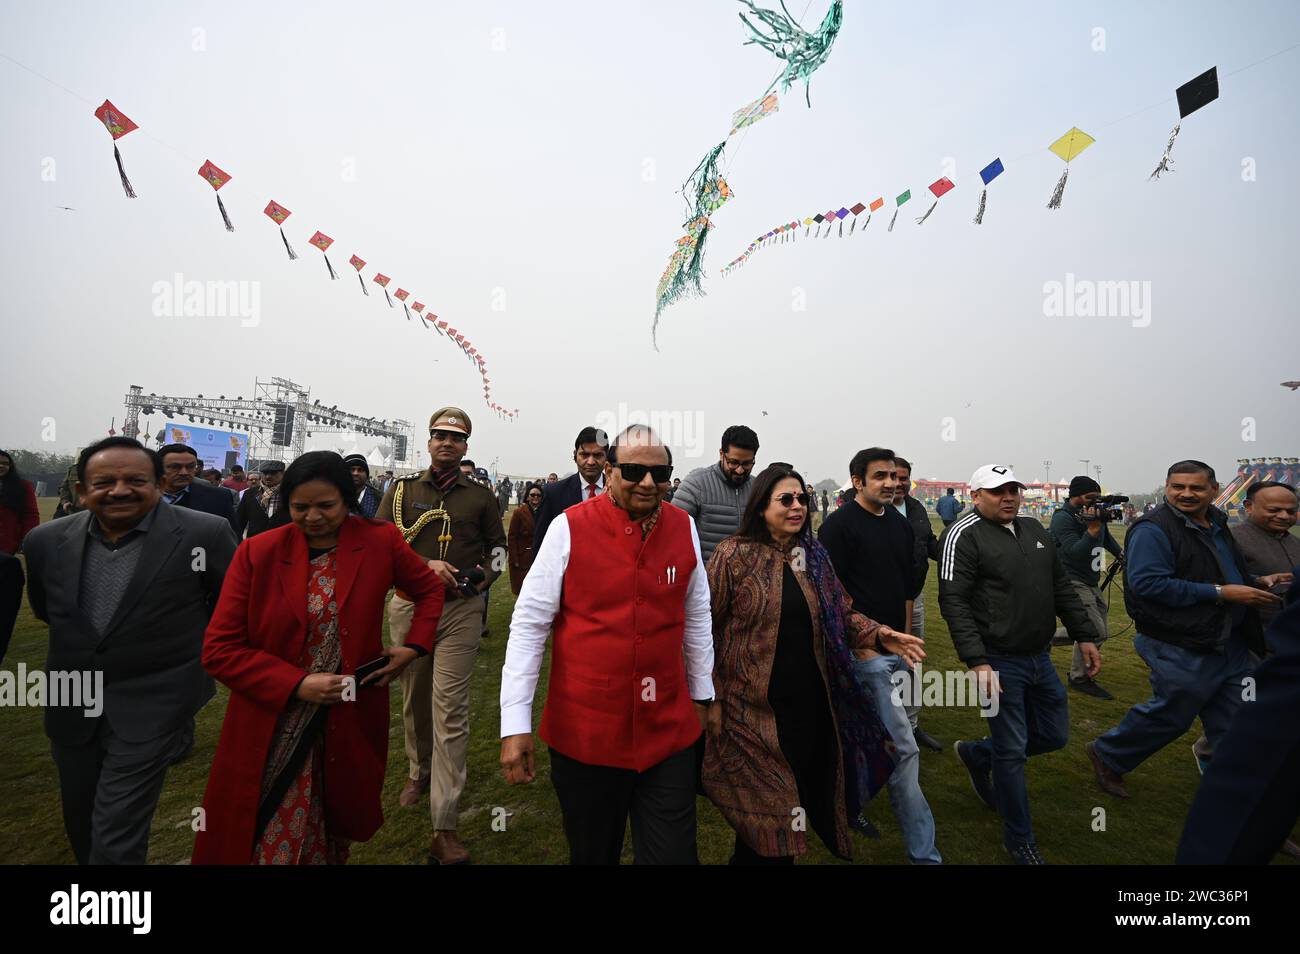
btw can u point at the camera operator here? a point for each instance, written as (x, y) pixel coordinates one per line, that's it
(1079, 530)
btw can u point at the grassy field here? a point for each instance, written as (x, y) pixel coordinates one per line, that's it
(1063, 793)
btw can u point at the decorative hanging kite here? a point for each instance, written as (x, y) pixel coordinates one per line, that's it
(803, 52)
(400, 295)
(118, 125)
(898, 204)
(382, 281)
(758, 109)
(322, 242)
(278, 214)
(216, 178)
(938, 188)
(857, 209)
(358, 264)
(1192, 95)
(987, 175)
(1067, 147)
(704, 189)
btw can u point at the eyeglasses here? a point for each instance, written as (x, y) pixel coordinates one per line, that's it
(740, 464)
(787, 499)
(535, 494)
(635, 473)
(452, 436)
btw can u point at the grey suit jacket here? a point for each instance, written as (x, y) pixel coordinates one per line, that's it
(152, 675)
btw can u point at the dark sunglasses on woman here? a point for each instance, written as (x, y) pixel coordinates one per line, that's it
(787, 499)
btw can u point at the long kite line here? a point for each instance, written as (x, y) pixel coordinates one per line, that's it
(1190, 97)
(705, 189)
(119, 125)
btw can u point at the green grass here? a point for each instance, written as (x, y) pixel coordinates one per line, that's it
(1063, 795)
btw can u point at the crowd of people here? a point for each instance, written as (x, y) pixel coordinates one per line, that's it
(705, 636)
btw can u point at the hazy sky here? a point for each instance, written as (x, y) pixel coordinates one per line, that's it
(515, 164)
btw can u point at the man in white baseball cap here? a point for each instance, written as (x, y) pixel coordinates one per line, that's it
(1001, 588)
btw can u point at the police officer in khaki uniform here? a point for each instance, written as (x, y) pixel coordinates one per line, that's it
(454, 522)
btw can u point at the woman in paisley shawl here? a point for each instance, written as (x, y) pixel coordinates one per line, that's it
(793, 741)
(299, 769)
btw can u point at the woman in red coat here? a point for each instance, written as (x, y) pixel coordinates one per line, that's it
(300, 766)
(18, 512)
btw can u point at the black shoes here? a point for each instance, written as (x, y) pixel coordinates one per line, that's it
(1089, 688)
(925, 738)
(1026, 853)
(980, 779)
(863, 824)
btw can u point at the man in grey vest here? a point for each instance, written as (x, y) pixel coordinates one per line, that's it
(715, 496)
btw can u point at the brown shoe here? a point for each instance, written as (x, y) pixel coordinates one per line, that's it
(1111, 782)
(413, 792)
(446, 849)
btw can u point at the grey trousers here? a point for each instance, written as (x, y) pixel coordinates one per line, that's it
(1094, 604)
(110, 789)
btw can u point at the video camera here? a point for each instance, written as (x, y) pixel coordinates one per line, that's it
(1106, 508)
(468, 580)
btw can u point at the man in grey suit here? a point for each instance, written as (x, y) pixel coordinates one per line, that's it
(127, 587)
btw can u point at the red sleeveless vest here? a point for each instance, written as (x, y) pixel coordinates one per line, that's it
(617, 694)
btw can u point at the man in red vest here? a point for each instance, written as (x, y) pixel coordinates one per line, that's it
(620, 580)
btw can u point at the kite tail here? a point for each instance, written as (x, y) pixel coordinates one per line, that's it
(841, 228)
(333, 277)
(224, 217)
(1055, 201)
(927, 212)
(853, 225)
(818, 233)
(1166, 162)
(979, 214)
(287, 247)
(892, 221)
(866, 223)
(422, 321)
(828, 230)
(390, 300)
(121, 171)
(407, 310)
(363, 283)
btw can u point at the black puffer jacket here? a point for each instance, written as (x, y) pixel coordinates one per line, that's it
(1002, 593)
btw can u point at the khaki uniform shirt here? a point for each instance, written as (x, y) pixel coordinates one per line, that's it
(477, 536)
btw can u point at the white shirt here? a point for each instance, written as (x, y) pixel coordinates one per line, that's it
(538, 604)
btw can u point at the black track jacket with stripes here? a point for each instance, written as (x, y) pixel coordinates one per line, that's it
(1001, 593)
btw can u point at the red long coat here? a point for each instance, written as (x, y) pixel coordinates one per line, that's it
(259, 625)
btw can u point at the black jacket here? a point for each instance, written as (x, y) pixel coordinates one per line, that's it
(925, 545)
(205, 498)
(556, 498)
(1002, 593)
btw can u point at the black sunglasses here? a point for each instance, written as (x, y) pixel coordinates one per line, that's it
(635, 473)
(787, 499)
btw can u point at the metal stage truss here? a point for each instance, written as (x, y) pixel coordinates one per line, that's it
(278, 420)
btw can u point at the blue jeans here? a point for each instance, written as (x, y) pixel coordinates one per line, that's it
(1184, 685)
(910, 806)
(1033, 717)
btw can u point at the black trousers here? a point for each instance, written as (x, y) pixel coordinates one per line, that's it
(11, 597)
(597, 800)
